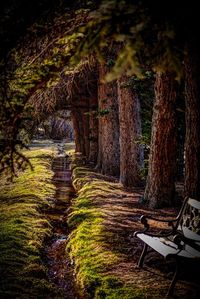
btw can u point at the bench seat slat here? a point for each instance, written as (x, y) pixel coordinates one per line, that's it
(166, 247)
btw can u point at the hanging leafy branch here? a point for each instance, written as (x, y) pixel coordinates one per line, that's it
(140, 36)
(19, 86)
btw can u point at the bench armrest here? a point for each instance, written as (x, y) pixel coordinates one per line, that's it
(171, 222)
(144, 220)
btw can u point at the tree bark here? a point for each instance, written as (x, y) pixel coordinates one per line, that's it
(109, 154)
(160, 188)
(85, 128)
(131, 153)
(93, 130)
(80, 121)
(78, 132)
(192, 138)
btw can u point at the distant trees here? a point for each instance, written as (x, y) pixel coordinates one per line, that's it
(56, 127)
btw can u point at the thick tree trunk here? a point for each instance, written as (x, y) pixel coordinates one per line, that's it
(160, 188)
(192, 139)
(131, 153)
(86, 131)
(78, 132)
(80, 121)
(109, 154)
(93, 130)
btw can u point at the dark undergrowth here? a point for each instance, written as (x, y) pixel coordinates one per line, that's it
(23, 229)
(89, 241)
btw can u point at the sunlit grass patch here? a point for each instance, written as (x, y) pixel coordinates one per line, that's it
(69, 147)
(89, 244)
(23, 228)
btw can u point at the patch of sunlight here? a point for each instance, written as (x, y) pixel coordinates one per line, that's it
(23, 228)
(88, 245)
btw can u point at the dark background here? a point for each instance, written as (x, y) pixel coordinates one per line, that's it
(18, 15)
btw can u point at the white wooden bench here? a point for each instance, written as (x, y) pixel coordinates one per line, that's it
(181, 241)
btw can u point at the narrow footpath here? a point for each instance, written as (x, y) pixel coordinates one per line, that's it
(60, 270)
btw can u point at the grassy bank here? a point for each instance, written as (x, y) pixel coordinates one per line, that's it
(94, 247)
(23, 228)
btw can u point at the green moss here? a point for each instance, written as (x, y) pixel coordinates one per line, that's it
(23, 228)
(69, 148)
(112, 288)
(88, 246)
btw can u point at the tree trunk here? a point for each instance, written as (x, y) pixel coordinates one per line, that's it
(160, 188)
(85, 128)
(81, 130)
(93, 133)
(192, 139)
(78, 133)
(131, 153)
(108, 155)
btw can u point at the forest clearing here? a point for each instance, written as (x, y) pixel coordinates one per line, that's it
(99, 150)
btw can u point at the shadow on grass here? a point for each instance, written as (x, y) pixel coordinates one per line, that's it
(103, 219)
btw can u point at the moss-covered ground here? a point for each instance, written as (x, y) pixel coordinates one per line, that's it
(92, 242)
(23, 228)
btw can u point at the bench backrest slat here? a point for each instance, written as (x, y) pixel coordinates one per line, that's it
(189, 222)
(194, 203)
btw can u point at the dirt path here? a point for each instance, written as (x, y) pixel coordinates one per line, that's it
(60, 270)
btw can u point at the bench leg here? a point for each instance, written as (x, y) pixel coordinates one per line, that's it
(141, 259)
(173, 282)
